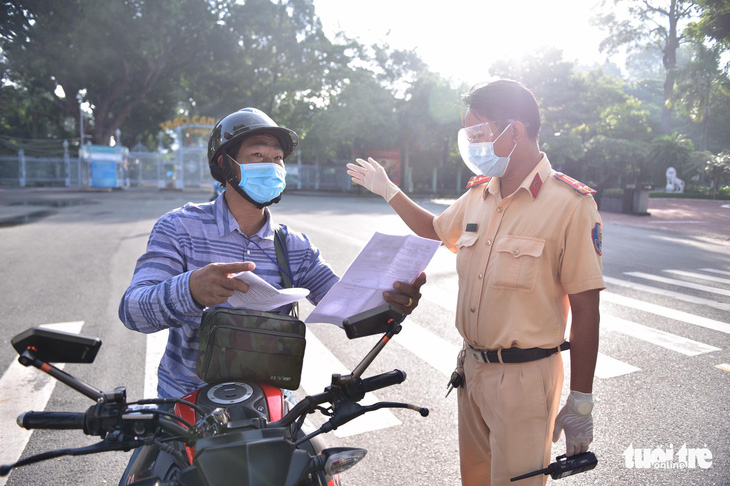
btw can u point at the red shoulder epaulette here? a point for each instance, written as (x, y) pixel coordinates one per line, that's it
(575, 184)
(477, 180)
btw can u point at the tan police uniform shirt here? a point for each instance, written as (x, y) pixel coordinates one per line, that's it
(519, 258)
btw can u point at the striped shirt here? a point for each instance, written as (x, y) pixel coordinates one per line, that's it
(189, 238)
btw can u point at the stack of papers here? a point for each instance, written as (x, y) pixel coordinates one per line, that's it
(386, 259)
(262, 296)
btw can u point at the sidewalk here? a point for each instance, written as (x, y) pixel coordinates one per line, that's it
(699, 217)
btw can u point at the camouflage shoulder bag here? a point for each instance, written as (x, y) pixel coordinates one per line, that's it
(241, 344)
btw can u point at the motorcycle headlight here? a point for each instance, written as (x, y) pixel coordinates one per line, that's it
(341, 459)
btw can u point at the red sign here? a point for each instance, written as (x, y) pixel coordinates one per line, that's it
(389, 159)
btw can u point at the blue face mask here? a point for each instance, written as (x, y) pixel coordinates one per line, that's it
(480, 158)
(262, 182)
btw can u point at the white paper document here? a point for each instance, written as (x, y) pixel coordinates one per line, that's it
(384, 260)
(262, 296)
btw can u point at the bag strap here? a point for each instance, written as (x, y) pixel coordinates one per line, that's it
(282, 259)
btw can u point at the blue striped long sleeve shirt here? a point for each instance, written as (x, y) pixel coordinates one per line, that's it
(189, 238)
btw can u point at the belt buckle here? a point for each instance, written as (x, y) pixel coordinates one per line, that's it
(485, 355)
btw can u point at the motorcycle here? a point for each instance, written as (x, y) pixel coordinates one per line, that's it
(217, 191)
(241, 433)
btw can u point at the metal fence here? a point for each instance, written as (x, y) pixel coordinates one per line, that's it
(185, 168)
(22, 170)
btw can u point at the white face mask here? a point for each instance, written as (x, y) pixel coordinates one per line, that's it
(480, 158)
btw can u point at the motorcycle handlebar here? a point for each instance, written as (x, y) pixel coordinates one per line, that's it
(383, 380)
(51, 420)
(78, 420)
(354, 391)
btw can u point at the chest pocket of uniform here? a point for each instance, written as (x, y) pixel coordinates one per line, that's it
(466, 246)
(516, 262)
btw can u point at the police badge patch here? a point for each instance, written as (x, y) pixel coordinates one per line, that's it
(597, 237)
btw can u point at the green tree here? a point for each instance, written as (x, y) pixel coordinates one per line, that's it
(429, 119)
(670, 151)
(717, 168)
(361, 116)
(649, 24)
(611, 162)
(714, 22)
(699, 83)
(122, 52)
(275, 52)
(361, 110)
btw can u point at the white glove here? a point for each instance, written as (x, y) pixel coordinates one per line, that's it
(372, 176)
(575, 417)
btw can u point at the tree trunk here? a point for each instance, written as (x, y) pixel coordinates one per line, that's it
(669, 59)
(705, 124)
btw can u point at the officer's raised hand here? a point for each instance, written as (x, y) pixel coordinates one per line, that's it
(406, 295)
(213, 284)
(372, 176)
(576, 419)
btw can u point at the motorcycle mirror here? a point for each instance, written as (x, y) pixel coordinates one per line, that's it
(374, 321)
(339, 459)
(53, 346)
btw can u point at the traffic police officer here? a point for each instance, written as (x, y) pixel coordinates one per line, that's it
(528, 245)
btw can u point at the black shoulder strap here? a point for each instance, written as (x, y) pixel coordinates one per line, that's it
(283, 261)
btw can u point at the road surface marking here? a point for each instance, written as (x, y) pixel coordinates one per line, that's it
(700, 276)
(665, 312)
(24, 389)
(723, 367)
(606, 366)
(675, 221)
(680, 283)
(714, 270)
(156, 343)
(444, 298)
(429, 347)
(667, 293)
(319, 364)
(661, 338)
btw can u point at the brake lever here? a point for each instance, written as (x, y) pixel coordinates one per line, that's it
(348, 411)
(103, 446)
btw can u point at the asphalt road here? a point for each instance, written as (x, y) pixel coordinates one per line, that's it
(661, 387)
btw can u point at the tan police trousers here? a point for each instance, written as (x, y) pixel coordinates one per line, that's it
(506, 419)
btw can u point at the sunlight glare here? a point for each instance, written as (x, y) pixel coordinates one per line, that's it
(462, 38)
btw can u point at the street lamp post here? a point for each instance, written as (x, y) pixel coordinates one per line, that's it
(80, 98)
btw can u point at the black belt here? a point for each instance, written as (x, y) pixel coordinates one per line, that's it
(513, 355)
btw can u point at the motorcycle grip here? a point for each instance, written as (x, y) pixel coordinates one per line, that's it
(383, 380)
(51, 420)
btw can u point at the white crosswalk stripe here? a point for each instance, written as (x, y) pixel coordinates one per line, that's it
(681, 283)
(25, 389)
(700, 276)
(715, 270)
(667, 293)
(667, 340)
(606, 366)
(319, 364)
(434, 350)
(156, 343)
(665, 312)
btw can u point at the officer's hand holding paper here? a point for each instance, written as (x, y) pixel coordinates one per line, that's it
(384, 260)
(262, 296)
